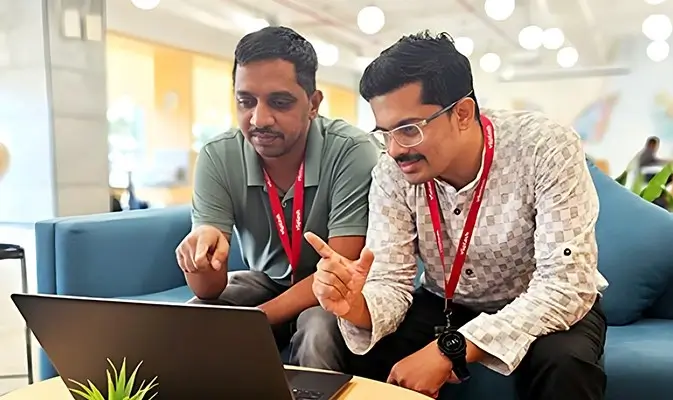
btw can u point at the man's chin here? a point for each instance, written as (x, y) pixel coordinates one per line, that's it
(416, 178)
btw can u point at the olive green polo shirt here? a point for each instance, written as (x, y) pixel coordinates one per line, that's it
(229, 191)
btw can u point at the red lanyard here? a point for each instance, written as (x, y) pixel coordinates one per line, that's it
(292, 249)
(451, 283)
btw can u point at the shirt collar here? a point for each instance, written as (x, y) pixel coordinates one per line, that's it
(314, 146)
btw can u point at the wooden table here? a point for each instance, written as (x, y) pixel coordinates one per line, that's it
(357, 389)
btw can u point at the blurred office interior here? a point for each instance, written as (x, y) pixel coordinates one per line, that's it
(104, 104)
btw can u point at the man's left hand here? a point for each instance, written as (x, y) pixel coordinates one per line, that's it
(425, 371)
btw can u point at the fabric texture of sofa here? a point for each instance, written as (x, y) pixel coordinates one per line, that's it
(131, 255)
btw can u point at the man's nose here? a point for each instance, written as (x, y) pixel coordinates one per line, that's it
(262, 116)
(394, 149)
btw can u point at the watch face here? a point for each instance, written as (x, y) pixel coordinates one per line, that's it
(452, 342)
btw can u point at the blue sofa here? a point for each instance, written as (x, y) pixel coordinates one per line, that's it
(131, 255)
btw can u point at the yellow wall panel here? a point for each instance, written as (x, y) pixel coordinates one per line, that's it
(341, 103)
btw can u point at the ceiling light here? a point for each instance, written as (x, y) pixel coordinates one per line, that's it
(328, 54)
(464, 45)
(146, 4)
(530, 37)
(654, 2)
(499, 10)
(553, 38)
(657, 27)
(658, 50)
(363, 62)
(490, 62)
(371, 19)
(250, 24)
(567, 57)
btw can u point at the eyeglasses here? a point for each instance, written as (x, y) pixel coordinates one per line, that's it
(411, 135)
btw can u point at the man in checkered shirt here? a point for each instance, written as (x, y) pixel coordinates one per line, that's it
(527, 300)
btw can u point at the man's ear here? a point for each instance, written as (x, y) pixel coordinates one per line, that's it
(315, 101)
(465, 112)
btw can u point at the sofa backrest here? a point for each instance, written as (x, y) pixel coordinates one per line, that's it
(634, 253)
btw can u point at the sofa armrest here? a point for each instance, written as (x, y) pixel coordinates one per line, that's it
(128, 253)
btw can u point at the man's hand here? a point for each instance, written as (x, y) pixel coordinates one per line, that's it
(338, 281)
(204, 249)
(425, 371)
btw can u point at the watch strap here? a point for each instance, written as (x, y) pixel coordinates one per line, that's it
(460, 368)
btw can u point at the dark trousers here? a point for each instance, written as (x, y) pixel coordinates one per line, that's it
(314, 337)
(560, 366)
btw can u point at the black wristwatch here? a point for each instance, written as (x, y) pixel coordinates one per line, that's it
(452, 344)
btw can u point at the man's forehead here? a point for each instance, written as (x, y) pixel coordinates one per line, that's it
(265, 77)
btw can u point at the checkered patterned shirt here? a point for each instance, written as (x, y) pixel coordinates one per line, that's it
(531, 266)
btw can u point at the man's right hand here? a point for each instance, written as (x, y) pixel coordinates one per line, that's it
(338, 281)
(206, 248)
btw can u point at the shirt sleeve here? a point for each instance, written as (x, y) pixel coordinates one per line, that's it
(563, 287)
(211, 201)
(350, 189)
(391, 237)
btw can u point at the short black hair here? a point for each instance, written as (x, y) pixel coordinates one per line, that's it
(652, 141)
(444, 73)
(279, 42)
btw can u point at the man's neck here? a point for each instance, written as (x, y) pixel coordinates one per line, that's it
(283, 169)
(466, 168)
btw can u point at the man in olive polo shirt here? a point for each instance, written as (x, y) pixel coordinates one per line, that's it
(285, 172)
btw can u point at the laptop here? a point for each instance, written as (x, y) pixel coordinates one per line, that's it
(195, 351)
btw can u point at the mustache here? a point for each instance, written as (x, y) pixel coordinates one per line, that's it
(409, 158)
(265, 132)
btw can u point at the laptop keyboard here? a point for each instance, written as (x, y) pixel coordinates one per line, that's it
(301, 394)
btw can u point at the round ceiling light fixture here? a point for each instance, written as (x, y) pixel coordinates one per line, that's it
(499, 10)
(371, 20)
(464, 45)
(553, 38)
(490, 62)
(530, 37)
(658, 50)
(567, 57)
(146, 4)
(328, 54)
(657, 27)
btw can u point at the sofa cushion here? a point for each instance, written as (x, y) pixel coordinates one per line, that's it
(634, 250)
(639, 360)
(663, 308)
(180, 294)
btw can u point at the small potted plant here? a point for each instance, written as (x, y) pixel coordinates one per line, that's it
(119, 388)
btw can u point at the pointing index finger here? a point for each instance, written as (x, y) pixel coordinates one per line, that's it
(321, 247)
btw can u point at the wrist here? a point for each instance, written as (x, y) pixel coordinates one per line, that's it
(446, 362)
(473, 353)
(358, 314)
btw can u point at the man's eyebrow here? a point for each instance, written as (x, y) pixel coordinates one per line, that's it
(405, 121)
(278, 93)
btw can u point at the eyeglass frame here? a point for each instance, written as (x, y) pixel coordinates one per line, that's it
(418, 125)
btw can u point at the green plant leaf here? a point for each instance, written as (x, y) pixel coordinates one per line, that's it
(81, 394)
(621, 179)
(97, 395)
(121, 383)
(110, 386)
(87, 394)
(637, 184)
(657, 184)
(132, 379)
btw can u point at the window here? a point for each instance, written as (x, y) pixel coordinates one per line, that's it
(125, 140)
(212, 99)
(130, 103)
